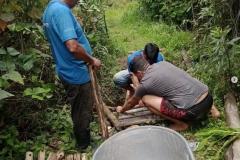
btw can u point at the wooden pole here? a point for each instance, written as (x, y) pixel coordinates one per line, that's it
(233, 120)
(29, 155)
(41, 155)
(99, 103)
(111, 117)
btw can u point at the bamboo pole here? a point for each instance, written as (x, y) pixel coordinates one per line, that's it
(99, 103)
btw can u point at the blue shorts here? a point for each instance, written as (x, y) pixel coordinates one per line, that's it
(122, 79)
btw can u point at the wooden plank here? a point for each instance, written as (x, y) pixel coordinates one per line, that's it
(139, 120)
(136, 114)
(77, 156)
(52, 156)
(99, 103)
(41, 155)
(29, 155)
(134, 110)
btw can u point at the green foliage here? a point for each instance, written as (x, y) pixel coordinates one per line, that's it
(4, 94)
(193, 13)
(215, 141)
(52, 129)
(20, 47)
(218, 61)
(168, 10)
(11, 146)
(40, 93)
(22, 10)
(32, 113)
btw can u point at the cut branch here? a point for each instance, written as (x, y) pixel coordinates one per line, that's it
(99, 103)
(111, 117)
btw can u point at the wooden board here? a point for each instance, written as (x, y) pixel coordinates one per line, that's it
(135, 116)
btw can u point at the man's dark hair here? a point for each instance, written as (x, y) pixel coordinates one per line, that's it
(138, 64)
(151, 51)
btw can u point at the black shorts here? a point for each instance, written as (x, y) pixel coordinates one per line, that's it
(196, 112)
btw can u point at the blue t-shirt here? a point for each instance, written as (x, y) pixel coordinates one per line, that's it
(140, 53)
(61, 25)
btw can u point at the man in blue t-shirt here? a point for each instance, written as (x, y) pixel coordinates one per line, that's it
(71, 52)
(125, 79)
(150, 52)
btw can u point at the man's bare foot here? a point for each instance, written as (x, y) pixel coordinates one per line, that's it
(179, 126)
(214, 112)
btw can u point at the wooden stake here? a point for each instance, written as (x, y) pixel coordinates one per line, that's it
(69, 157)
(60, 155)
(77, 156)
(41, 155)
(99, 103)
(29, 156)
(52, 156)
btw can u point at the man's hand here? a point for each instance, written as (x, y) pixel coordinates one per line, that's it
(119, 109)
(96, 63)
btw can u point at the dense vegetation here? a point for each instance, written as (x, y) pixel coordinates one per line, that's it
(33, 110)
(32, 103)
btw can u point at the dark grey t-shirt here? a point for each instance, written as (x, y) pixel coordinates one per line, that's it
(173, 84)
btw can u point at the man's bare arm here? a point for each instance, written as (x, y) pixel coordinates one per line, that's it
(130, 104)
(78, 51)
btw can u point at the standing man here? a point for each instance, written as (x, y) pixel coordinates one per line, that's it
(71, 52)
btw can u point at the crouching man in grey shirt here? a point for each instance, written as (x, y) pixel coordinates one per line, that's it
(169, 92)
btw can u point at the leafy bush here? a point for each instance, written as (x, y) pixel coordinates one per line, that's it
(216, 61)
(194, 13)
(215, 141)
(168, 10)
(32, 112)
